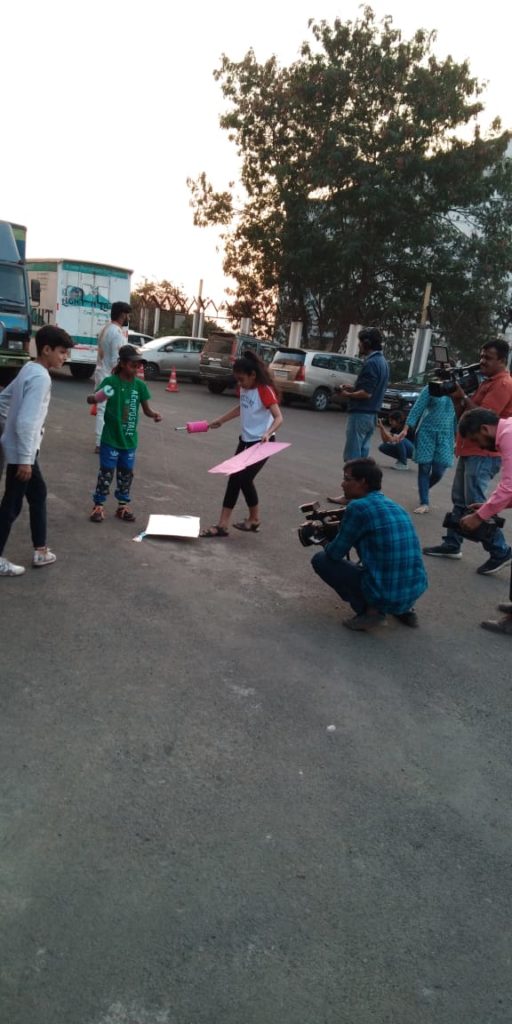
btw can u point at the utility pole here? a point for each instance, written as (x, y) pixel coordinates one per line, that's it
(199, 306)
(422, 338)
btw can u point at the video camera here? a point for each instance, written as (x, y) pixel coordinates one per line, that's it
(321, 525)
(485, 532)
(466, 377)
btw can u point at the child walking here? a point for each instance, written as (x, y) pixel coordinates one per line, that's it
(123, 392)
(260, 417)
(29, 398)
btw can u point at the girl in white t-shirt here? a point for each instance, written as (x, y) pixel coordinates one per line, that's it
(260, 417)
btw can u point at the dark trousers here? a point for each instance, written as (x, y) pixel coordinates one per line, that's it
(344, 577)
(243, 481)
(34, 490)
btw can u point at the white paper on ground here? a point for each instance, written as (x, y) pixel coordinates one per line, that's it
(171, 526)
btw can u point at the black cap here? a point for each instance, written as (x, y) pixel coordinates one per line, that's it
(129, 354)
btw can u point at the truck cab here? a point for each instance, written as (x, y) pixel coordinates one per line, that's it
(15, 300)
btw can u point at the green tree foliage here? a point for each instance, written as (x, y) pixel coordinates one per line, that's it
(363, 175)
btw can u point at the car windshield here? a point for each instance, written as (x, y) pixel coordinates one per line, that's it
(285, 358)
(12, 286)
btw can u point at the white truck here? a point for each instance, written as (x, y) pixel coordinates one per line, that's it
(78, 296)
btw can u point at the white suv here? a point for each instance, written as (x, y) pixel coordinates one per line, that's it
(313, 376)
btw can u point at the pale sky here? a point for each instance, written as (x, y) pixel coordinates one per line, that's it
(112, 105)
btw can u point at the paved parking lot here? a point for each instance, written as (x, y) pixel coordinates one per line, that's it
(183, 839)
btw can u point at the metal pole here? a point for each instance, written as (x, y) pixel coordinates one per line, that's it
(156, 322)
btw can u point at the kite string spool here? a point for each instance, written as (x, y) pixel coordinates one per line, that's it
(195, 427)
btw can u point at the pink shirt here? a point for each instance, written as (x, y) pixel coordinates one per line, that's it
(502, 497)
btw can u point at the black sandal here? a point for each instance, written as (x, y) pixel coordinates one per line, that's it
(214, 531)
(247, 527)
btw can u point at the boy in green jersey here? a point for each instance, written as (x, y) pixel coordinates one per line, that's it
(123, 392)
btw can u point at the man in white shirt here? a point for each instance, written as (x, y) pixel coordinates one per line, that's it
(110, 339)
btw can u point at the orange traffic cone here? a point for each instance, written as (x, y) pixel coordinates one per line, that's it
(140, 371)
(173, 383)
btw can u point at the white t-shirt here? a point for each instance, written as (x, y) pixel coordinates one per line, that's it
(110, 339)
(255, 416)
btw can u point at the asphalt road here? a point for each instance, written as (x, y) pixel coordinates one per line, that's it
(184, 841)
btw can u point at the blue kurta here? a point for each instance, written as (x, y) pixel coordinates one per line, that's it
(436, 425)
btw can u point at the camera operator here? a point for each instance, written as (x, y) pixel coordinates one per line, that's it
(495, 435)
(477, 466)
(391, 575)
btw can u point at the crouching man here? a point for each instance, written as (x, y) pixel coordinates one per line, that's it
(390, 575)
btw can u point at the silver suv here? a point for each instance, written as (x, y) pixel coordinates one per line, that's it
(313, 376)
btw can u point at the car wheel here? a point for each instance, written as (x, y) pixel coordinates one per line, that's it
(320, 400)
(151, 371)
(81, 371)
(215, 387)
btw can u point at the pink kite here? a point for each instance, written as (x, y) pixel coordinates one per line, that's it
(256, 453)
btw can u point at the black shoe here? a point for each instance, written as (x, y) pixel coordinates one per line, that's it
(443, 551)
(493, 565)
(505, 606)
(409, 618)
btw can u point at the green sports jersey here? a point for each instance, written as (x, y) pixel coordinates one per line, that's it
(122, 411)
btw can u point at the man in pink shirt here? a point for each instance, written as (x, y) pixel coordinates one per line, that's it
(484, 427)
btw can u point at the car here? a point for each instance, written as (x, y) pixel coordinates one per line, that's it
(138, 339)
(220, 352)
(403, 394)
(313, 376)
(162, 355)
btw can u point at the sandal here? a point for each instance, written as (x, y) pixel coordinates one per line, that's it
(214, 531)
(246, 527)
(97, 515)
(123, 512)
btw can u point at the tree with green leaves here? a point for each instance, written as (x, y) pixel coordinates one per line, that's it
(363, 175)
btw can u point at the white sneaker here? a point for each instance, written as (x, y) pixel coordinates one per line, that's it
(422, 509)
(400, 466)
(45, 557)
(9, 569)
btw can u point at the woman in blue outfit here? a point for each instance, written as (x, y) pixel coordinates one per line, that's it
(435, 424)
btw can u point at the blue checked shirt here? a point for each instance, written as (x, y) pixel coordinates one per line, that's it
(385, 540)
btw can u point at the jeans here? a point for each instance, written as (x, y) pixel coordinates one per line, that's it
(34, 490)
(429, 474)
(470, 483)
(344, 577)
(400, 450)
(117, 460)
(360, 427)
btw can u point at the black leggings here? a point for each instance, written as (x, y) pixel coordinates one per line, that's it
(243, 481)
(34, 490)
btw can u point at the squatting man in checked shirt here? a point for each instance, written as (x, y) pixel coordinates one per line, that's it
(390, 575)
